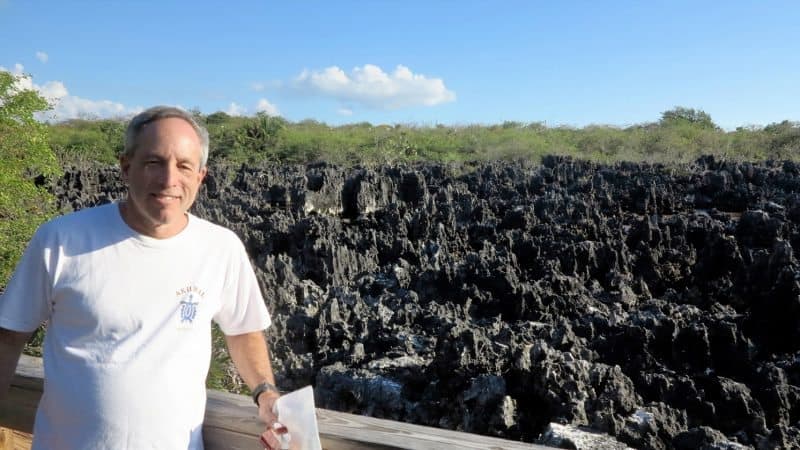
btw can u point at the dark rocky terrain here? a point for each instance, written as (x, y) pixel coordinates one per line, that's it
(660, 305)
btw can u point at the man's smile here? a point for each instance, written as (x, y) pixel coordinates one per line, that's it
(166, 197)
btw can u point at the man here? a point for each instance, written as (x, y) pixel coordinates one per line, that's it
(129, 291)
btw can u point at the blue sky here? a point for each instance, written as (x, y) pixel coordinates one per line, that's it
(415, 62)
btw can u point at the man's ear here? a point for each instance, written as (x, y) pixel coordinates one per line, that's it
(124, 167)
(203, 173)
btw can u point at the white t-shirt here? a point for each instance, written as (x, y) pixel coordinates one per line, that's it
(128, 343)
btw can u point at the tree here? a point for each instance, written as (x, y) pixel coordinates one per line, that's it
(261, 135)
(26, 161)
(681, 115)
(218, 117)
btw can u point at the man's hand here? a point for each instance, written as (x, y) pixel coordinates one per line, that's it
(250, 354)
(266, 405)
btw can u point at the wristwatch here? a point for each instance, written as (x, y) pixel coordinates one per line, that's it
(261, 388)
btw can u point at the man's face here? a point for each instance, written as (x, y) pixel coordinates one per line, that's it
(163, 177)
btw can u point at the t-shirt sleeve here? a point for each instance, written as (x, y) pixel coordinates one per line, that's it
(243, 310)
(26, 302)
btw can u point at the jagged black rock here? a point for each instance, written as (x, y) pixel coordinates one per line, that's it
(659, 304)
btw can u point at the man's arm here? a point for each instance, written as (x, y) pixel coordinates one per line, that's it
(250, 354)
(11, 345)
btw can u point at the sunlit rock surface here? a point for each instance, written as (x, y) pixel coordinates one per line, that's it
(657, 305)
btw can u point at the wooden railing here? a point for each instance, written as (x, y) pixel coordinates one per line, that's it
(231, 424)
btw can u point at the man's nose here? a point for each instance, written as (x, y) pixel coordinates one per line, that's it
(169, 175)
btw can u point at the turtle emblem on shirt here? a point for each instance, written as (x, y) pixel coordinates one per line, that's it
(188, 308)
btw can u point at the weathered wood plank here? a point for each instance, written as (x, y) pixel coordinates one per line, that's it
(408, 436)
(341, 430)
(234, 416)
(221, 438)
(230, 440)
(31, 368)
(231, 423)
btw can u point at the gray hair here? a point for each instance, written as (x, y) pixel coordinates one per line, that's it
(149, 115)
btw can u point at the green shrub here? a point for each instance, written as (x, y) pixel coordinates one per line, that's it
(27, 162)
(783, 140)
(680, 135)
(82, 141)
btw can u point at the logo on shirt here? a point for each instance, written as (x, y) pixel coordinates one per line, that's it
(189, 299)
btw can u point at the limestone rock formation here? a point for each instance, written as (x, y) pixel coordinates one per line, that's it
(659, 305)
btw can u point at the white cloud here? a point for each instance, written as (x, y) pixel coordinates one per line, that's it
(258, 87)
(370, 86)
(344, 112)
(53, 90)
(42, 56)
(265, 106)
(235, 110)
(72, 107)
(66, 106)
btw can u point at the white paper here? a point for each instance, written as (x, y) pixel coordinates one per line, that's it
(297, 413)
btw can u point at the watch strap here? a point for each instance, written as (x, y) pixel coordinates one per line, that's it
(261, 388)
